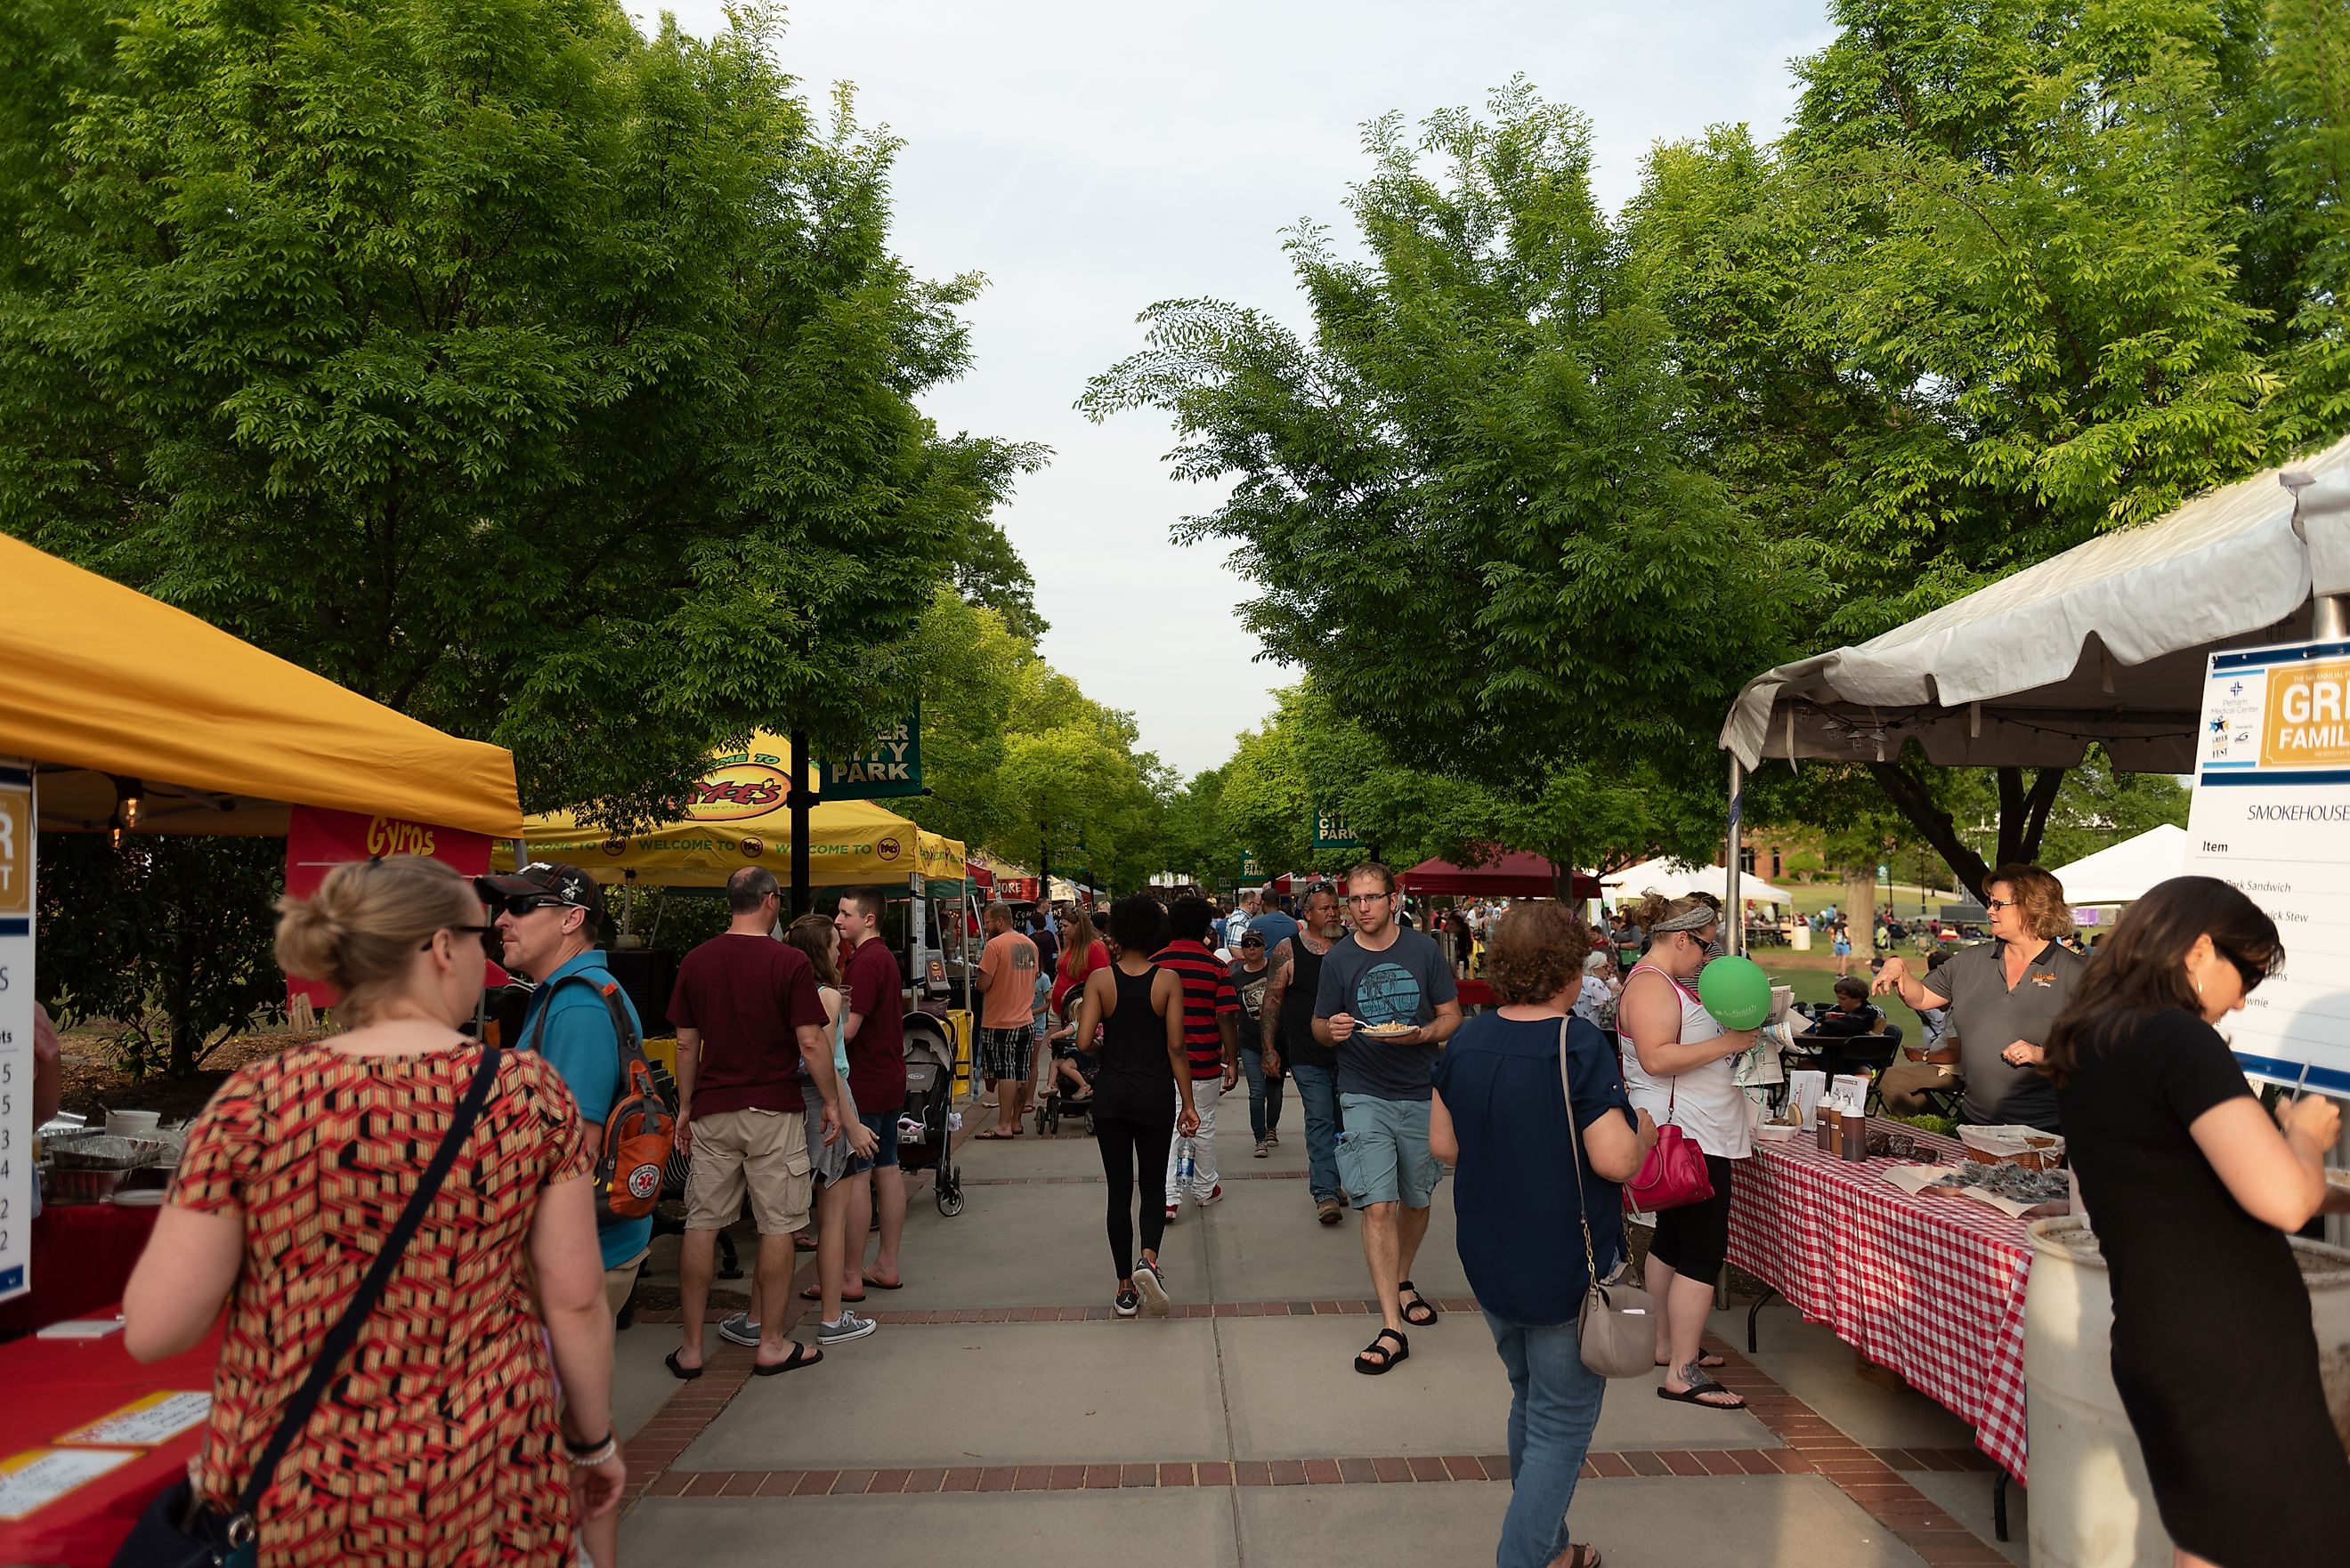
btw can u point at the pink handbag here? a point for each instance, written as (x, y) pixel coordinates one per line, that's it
(1674, 1173)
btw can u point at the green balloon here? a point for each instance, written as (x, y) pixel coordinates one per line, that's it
(1736, 991)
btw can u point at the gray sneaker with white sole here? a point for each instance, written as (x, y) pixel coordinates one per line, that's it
(740, 1330)
(849, 1326)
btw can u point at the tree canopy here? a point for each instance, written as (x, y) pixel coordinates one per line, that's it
(1541, 488)
(551, 384)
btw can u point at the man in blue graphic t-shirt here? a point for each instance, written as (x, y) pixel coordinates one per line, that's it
(1387, 1003)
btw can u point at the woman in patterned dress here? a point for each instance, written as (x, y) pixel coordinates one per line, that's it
(439, 1444)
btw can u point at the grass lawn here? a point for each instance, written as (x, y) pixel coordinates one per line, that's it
(1811, 898)
(1813, 975)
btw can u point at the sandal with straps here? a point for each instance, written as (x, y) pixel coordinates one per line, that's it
(1699, 1385)
(1364, 1362)
(1419, 1303)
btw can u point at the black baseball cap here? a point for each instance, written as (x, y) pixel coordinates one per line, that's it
(566, 885)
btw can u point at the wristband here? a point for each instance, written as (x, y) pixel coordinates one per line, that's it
(608, 1449)
(576, 1449)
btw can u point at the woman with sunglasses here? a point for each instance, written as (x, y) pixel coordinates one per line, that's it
(2193, 1191)
(2004, 996)
(439, 1440)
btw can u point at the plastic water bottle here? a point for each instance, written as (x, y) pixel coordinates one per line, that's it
(1184, 1166)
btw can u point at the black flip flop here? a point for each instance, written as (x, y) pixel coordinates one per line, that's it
(801, 1356)
(874, 1284)
(1697, 1390)
(682, 1374)
(1419, 1302)
(1369, 1368)
(816, 1293)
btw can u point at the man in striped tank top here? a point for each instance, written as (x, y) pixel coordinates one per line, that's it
(1212, 1040)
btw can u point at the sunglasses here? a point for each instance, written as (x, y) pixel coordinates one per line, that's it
(522, 904)
(1252, 942)
(481, 931)
(2251, 973)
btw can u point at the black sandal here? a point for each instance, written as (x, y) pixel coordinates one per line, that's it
(1695, 1394)
(1418, 1303)
(1387, 1358)
(682, 1374)
(801, 1356)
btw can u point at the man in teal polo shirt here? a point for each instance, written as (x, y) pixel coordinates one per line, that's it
(550, 916)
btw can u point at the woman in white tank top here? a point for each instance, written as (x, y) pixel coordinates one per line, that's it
(1679, 1067)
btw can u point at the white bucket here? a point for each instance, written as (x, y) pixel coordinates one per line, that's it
(2091, 1506)
(132, 1124)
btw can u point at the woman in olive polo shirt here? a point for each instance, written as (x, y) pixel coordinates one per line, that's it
(2004, 996)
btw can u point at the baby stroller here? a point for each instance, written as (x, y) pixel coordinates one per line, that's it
(924, 1138)
(1058, 1100)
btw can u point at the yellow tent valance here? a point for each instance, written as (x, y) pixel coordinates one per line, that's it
(97, 679)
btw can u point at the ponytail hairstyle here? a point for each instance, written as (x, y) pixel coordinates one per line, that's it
(2142, 969)
(815, 936)
(1652, 908)
(362, 929)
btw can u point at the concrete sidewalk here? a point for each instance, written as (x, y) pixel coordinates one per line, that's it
(1001, 1410)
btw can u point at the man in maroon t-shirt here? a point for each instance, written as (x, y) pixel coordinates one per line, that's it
(748, 1017)
(876, 1028)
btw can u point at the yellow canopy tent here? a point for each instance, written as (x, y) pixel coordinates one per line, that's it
(97, 683)
(739, 814)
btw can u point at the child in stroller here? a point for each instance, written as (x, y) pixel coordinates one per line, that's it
(1069, 1078)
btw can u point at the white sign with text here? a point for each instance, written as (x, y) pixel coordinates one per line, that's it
(2271, 814)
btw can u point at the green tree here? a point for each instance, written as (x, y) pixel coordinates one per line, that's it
(556, 387)
(168, 939)
(1478, 442)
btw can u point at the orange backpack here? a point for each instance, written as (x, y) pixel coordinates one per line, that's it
(640, 1130)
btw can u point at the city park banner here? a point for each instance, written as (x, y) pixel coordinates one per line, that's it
(888, 767)
(2271, 814)
(1331, 832)
(16, 840)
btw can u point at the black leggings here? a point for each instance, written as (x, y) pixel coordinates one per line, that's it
(1694, 1238)
(1126, 1147)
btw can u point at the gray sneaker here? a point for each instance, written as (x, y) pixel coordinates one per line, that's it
(1151, 1288)
(740, 1330)
(850, 1326)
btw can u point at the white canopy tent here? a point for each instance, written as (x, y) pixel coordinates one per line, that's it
(1677, 879)
(2106, 642)
(2121, 873)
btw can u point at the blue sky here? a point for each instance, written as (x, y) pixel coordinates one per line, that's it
(1092, 157)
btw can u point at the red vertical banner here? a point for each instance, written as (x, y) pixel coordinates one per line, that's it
(318, 839)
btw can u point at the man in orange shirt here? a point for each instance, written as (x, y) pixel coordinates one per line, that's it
(1007, 979)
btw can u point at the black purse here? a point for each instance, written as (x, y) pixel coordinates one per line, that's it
(177, 1531)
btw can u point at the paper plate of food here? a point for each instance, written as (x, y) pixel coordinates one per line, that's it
(1389, 1029)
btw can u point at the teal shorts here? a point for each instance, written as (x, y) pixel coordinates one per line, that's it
(1383, 1154)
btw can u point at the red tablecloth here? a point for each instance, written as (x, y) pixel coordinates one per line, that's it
(55, 1386)
(1931, 1287)
(82, 1257)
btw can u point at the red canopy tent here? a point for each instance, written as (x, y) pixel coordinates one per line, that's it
(1516, 874)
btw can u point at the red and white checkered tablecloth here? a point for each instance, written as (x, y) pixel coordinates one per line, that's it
(1931, 1287)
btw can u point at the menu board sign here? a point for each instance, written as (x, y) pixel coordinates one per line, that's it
(2271, 814)
(17, 819)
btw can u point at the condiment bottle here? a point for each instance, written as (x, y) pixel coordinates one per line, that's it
(1856, 1138)
(1828, 1129)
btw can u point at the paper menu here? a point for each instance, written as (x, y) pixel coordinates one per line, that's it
(1806, 1088)
(144, 1423)
(38, 1477)
(1848, 1093)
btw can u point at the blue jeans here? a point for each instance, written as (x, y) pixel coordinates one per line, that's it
(1264, 1099)
(1554, 1405)
(1318, 1090)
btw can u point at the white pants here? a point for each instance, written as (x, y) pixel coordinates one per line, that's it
(1205, 1092)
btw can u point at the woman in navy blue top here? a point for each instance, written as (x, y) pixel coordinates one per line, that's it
(1500, 1119)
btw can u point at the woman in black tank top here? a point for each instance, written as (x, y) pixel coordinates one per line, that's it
(1139, 1008)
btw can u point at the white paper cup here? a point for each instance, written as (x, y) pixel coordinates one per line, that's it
(132, 1124)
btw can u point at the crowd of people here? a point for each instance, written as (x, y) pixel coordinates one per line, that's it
(472, 1346)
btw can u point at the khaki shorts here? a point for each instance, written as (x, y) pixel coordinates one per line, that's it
(763, 1152)
(619, 1282)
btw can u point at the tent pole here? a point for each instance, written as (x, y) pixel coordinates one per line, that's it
(801, 800)
(2329, 617)
(1733, 916)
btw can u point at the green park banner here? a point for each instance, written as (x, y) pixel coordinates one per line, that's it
(891, 765)
(1330, 832)
(1251, 867)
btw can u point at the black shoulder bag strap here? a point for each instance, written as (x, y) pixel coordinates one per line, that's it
(346, 1331)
